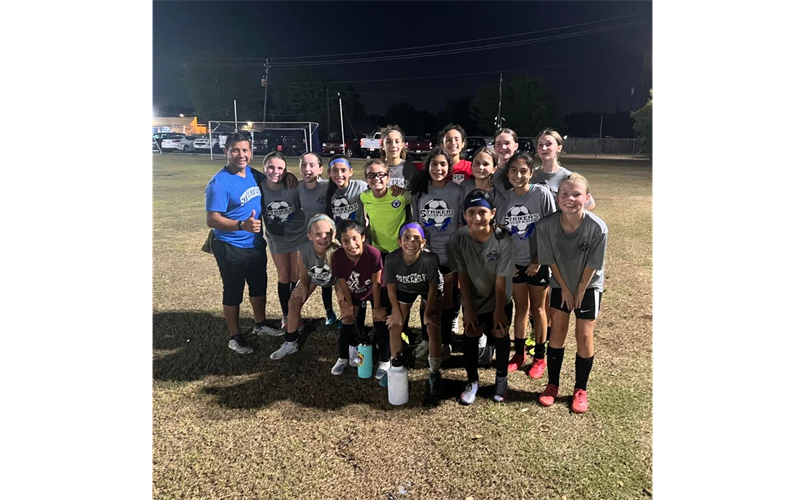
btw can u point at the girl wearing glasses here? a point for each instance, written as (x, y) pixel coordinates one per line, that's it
(386, 212)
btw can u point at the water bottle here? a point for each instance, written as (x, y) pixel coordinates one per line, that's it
(398, 382)
(366, 364)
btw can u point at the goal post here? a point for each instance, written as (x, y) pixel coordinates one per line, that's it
(223, 128)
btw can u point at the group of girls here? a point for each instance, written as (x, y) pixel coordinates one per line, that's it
(499, 229)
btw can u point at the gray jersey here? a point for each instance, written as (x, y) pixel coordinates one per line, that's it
(284, 220)
(314, 201)
(584, 247)
(414, 278)
(317, 269)
(553, 180)
(439, 212)
(400, 175)
(520, 214)
(483, 262)
(346, 203)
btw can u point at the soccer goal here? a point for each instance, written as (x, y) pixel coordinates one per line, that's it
(290, 138)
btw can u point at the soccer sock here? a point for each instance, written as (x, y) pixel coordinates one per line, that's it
(539, 351)
(327, 298)
(360, 319)
(583, 368)
(382, 339)
(435, 363)
(344, 341)
(555, 358)
(471, 358)
(291, 336)
(548, 335)
(502, 346)
(519, 346)
(447, 325)
(284, 293)
(422, 323)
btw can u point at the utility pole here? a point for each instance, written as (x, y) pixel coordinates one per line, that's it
(327, 87)
(500, 101)
(265, 84)
(341, 109)
(236, 114)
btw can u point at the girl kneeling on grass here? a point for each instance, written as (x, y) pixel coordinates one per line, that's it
(359, 270)
(385, 211)
(521, 208)
(481, 253)
(573, 242)
(410, 273)
(315, 262)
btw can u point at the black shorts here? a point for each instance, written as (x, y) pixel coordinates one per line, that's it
(410, 298)
(239, 266)
(590, 304)
(385, 303)
(539, 279)
(445, 270)
(487, 320)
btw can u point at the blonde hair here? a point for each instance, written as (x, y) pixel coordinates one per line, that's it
(553, 133)
(577, 178)
(384, 132)
(334, 244)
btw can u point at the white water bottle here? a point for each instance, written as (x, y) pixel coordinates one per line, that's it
(398, 382)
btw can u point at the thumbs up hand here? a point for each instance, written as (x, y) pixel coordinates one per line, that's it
(252, 225)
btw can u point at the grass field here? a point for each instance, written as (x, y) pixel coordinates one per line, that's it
(226, 426)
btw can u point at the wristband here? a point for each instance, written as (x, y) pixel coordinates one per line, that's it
(240, 225)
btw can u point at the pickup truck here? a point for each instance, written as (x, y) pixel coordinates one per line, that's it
(370, 146)
(418, 147)
(333, 147)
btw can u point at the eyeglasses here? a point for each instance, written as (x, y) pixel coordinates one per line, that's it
(379, 175)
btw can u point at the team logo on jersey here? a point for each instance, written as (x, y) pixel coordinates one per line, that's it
(493, 256)
(320, 274)
(436, 214)
(279, 212)
(411, 279)
(250, 193)
(321, 199)
(520, 222)
(583, 246)
(396, 204)
(342, 210)
(458, 178)
(354, 283)
(397, 181)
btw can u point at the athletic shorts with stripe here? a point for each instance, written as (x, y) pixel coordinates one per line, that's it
(539, 279)
(590, 304)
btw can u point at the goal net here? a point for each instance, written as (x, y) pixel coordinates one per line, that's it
(290, 138)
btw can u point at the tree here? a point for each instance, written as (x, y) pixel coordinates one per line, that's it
(642, 125)
(528, 106)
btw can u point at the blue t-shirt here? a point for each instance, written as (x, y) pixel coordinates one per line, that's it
(235, 197)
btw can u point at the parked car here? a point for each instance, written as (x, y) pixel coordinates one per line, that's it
(418, 146)
(370, 146)
(293, 144)
(160, 136)
(472, 144)
(203, 143)
(330, 148)
(183, 143)
(266, 141)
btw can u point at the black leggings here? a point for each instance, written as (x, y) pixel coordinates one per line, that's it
(327, 298)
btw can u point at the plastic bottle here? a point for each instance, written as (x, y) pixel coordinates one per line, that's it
(398, 382)
(366, 364)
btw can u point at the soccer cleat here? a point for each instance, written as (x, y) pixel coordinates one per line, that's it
(384, 382)
(331, 318)
(501, 389)
(382, 369)
(339, 366)
(537, 368)
(354, 359)
(285, 349)
(421, 350)
(454, 326)
(238, 344)
(548, 395)
(579, 404)
(262, 328)
(435, 384)
(468, 396)
(516, 362)
(446, 351)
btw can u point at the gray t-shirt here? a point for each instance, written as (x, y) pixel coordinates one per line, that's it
(584, 247)
(414, 278)
(439, 212)
(400, 175)
(284, 220)
(317, 268)
(346, 203)
(520, 214)
(483, 262)
(553, 180)
(314, 201)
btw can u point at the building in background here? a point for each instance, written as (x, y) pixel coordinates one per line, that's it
(181, 124)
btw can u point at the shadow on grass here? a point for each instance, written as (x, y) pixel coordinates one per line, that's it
(191, 346)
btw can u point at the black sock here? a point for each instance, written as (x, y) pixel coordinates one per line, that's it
(502, 347)
(539, 351)
(583, 368)
(327, 298)
(548, 335)
(519, 346)
(360, 319)
(344, 341)
(284, 293)
(447, 325)
(382, 339)
(291, 336)
(555, 358)
(425, 336)
(262, 323)
(471, 358)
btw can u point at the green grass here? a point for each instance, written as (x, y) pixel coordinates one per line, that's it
(226, 426)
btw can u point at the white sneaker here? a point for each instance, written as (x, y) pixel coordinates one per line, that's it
(354, 359)
(268, 330)
(285, 349)
(339, 366)
(422, 349)
(446, 351)
(481, 342)
(239, 345)
(382, 369)
(455, 325)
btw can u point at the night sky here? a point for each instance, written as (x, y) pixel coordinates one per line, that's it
(587, 71)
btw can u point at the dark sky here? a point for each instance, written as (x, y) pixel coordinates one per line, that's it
(588, 71)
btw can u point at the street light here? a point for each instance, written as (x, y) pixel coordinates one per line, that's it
(181, 115)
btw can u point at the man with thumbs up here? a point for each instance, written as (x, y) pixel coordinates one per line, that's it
(234, 207)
